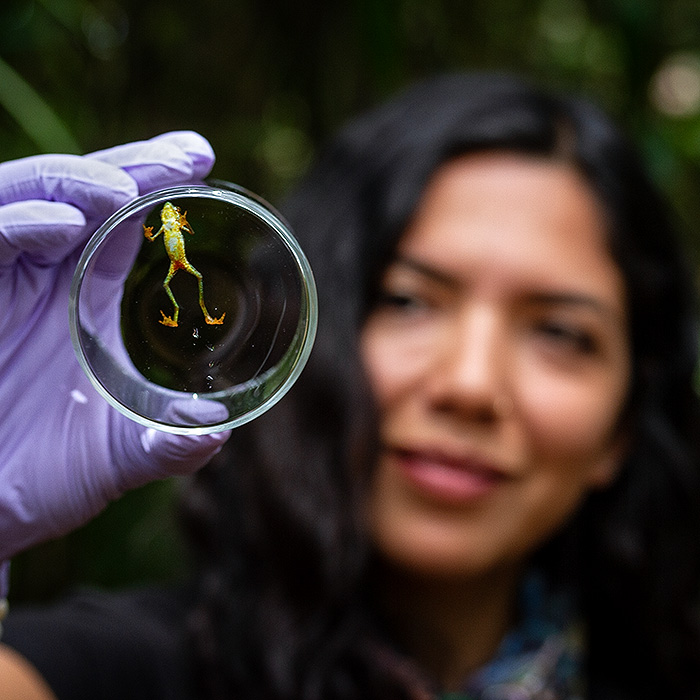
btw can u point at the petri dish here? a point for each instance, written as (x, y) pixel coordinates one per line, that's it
(193, 309)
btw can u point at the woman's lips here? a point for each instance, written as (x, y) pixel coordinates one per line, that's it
(448, 479)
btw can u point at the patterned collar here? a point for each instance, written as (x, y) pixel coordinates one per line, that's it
(540, 659)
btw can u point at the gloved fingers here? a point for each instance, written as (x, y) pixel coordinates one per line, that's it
(196, 147)
(97, 185)
(174, 158)
(181, 454)
(147, 454)
(44, 231)
(119, 250)
(94, 187)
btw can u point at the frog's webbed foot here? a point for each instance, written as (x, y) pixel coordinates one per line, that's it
(167, 321)
(148, 232)
(214, 321)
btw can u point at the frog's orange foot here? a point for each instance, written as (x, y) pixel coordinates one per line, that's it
(147, 231)
(215, 321)
(167, 321)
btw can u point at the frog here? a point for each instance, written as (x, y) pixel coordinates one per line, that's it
(174, 223)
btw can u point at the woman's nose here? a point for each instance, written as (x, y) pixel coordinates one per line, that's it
(469, 373)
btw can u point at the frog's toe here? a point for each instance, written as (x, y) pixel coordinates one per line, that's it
(167, 321)
(215, 321)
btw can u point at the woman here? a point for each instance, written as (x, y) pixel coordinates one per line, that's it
(486, 481)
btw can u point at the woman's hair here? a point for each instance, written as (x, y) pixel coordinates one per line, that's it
(282, 609)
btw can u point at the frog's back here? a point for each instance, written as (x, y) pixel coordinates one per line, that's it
(174, 242)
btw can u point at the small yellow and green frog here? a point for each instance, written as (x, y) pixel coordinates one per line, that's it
(173, 225)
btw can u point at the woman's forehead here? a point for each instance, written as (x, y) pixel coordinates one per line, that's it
(512, 215)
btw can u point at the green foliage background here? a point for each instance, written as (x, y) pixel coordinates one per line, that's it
(266, 82)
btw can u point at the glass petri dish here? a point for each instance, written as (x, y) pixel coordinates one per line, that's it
(193, 309)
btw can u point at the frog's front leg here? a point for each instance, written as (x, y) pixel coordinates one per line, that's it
(185, 225)
(168, 320)
(147, 232)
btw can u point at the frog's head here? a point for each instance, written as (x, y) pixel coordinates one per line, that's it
(169, 212)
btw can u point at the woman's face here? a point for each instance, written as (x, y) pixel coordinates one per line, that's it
(499, 357)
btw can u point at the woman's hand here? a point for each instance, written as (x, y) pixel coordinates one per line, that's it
(64, 452)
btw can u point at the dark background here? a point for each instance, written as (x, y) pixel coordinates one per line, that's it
(266, 82)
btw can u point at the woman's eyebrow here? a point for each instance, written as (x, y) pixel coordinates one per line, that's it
(576, 299)
(425, 270)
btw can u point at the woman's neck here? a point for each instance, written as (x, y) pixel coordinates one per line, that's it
(451, 627)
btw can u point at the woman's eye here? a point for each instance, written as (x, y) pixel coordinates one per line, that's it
(568, 336)
(401, 301)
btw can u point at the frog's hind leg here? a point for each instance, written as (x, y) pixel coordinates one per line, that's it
(210, 320)
(167, 320)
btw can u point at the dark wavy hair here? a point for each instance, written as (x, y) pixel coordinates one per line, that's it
(282, 610)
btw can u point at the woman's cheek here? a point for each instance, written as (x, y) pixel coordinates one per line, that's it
(568, 416)
(394, 358)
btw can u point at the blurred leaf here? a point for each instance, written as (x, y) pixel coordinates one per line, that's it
(34, 116)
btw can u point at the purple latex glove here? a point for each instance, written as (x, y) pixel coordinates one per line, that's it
(64, 452)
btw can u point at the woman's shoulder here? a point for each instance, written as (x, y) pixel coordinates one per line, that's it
(109, 645)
